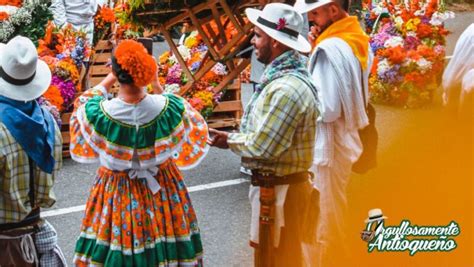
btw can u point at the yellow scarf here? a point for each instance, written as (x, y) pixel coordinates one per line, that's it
(349, 30)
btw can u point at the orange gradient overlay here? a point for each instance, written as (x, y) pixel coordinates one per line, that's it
(424, 174)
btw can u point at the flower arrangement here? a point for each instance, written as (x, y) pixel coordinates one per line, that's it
(408, 41)
(115, 21)
(193, 50)
(64, 50)
(28, 19)
(103, 22)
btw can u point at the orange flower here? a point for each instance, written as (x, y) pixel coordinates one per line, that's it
(50, 60)
(16, 3)
(48, 36)
(53, 95)
(395, 54)
(107, 14)
(133, 58)
(423, 30)
(414, 55)
(4, 16)
(373, 71)
(416, 77)
(431, 8)
(426, 52)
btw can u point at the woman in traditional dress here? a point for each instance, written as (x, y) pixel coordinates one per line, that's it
(139, 212)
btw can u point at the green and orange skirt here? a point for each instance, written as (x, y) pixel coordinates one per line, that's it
(126, 225)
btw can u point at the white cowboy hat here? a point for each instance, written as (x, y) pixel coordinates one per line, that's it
(282, 23)
(23, 76)
(304, 6)
(375, 215)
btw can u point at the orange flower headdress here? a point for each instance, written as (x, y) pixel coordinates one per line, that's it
(132, 57)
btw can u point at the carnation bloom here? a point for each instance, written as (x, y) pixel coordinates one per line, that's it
(3, 16)
(394, 41)
(53, 95)
(134, 58)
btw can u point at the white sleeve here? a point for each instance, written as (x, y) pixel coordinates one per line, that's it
(326, 83)
(59, 12)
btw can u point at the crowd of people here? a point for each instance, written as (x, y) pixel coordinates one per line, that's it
(299, 138)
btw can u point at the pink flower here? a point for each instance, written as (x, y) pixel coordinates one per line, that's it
(281, 24)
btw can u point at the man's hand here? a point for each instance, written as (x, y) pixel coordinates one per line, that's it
(218, 139)
(313, 34)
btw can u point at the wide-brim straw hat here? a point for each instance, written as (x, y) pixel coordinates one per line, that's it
(23, 76)
(375, 215)
(282, 23)
(305, 6)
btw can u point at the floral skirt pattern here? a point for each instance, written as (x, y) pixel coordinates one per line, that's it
(126, 225)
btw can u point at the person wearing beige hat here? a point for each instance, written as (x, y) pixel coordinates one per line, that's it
(276, 138)
(30, 156)
(339, 64)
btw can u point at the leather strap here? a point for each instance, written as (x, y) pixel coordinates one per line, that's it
(33, 217)
(269, 180)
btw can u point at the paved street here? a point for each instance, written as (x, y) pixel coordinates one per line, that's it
(223, 210)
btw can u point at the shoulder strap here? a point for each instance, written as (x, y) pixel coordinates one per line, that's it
(363, 89)
(31, 192)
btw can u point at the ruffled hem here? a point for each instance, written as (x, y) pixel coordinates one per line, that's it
(91, 252)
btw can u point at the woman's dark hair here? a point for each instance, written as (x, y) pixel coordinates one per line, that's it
(121, 74)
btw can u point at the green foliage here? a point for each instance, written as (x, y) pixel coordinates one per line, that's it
(30, 21)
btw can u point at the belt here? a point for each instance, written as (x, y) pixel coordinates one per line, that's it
(31, 219)
(268, 179)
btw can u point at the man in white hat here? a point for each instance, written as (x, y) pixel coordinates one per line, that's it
(276, 138)
(339, 64)
(30, 156)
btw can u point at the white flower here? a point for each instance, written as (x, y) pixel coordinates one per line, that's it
(439, 18)
(407, 62)
(172, 88)
(6, 30)
(21, 17)
(424, 65)
(379, 9)
(219, 69)
(394, 42)
(419, 13)
(184, 52)
(383, 67)
(411, 33)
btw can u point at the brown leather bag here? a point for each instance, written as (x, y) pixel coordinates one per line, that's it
(17, 239)
(369, 139)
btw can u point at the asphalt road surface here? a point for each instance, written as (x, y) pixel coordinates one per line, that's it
(219, 190)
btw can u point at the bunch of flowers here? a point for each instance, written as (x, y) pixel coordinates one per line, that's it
(201, 96)
(27, 19)
(408, 41)
(103, 22)
(115, 21)
(64, 50)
